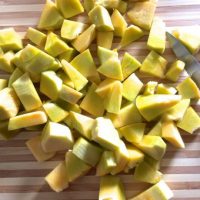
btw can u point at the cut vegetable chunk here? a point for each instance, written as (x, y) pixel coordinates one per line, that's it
(154, 146)
(159, 191)
(49, 79)
(129, 65)
(36, 37)
(105, 39)
(5, 62)
(111, 187)
(3, 83)
(131, 34)
(106, 163)
(154, 65)
(17, 73)
(83, 124)
(152, 106)
(34, 145)
(188, 89)
(101, 18)
(90, 102)
(131, 87)
(56, 137)
(157, 36)
(54, 112)
(105, 134)
(75, 167)
(150, 88)
(142, 14)
(83, 41)
(50, 18)
(58, 178)
(165, 89)
(9, 103)
(27, 93)
(27, 120)
(190, 121)
(87, 151)
(69, 8)
(175, 70)
(69, 95)
(10, 40)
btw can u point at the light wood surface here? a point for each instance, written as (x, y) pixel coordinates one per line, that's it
(21, 177)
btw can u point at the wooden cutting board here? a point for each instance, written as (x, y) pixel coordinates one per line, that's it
(21, 177)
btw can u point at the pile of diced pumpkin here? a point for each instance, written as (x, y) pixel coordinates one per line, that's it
(97, 109)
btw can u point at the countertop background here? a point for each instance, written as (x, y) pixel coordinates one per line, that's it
(21, 177)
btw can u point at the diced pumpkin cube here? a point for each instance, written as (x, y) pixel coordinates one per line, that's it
(177, 112)
(27, 120)
(122, 158)
(87, 151)
(54, 45)
(35, 36)
(3, 83)
(36, 61)
(171, 134)
(83, 124)
(113, 99)
(152, 106)
(133, 133)
(190, 38)
(34, 145)
(105, 39)
(75, 167)
(129, 65)
(150, 88)
(175, 70)
(165, 89)
(56, 137)
(69, 95)
(157, 36)
(104, 54)
(88, 5)
(17, 61)
(101, 18)
(27, 93)
(9, 103)
(5, 62)
(108, 4)
(105, 87)
(83, 41)
(50, 18)
(106, 163)
(131, 34)
(49, 79)
(111, 187)
(58, 178)
(190, 121)
(5, 132)
(54, 112)
(188, 89)
(10, 40)
(135, 157)
(90, 102)
(152, 145)
(119, 23)
(17, 73)
(69, 8)
(105, 134)
(156, 129)
(159, 191)
(154, 65)
(128, 114)
(111, 69)
(71, 29)
(131, 87)
(84, 63)
(142, 14)
(76, 77)
(68, 55)
(65, 79)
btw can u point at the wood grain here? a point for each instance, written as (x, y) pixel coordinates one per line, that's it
(21, 177)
